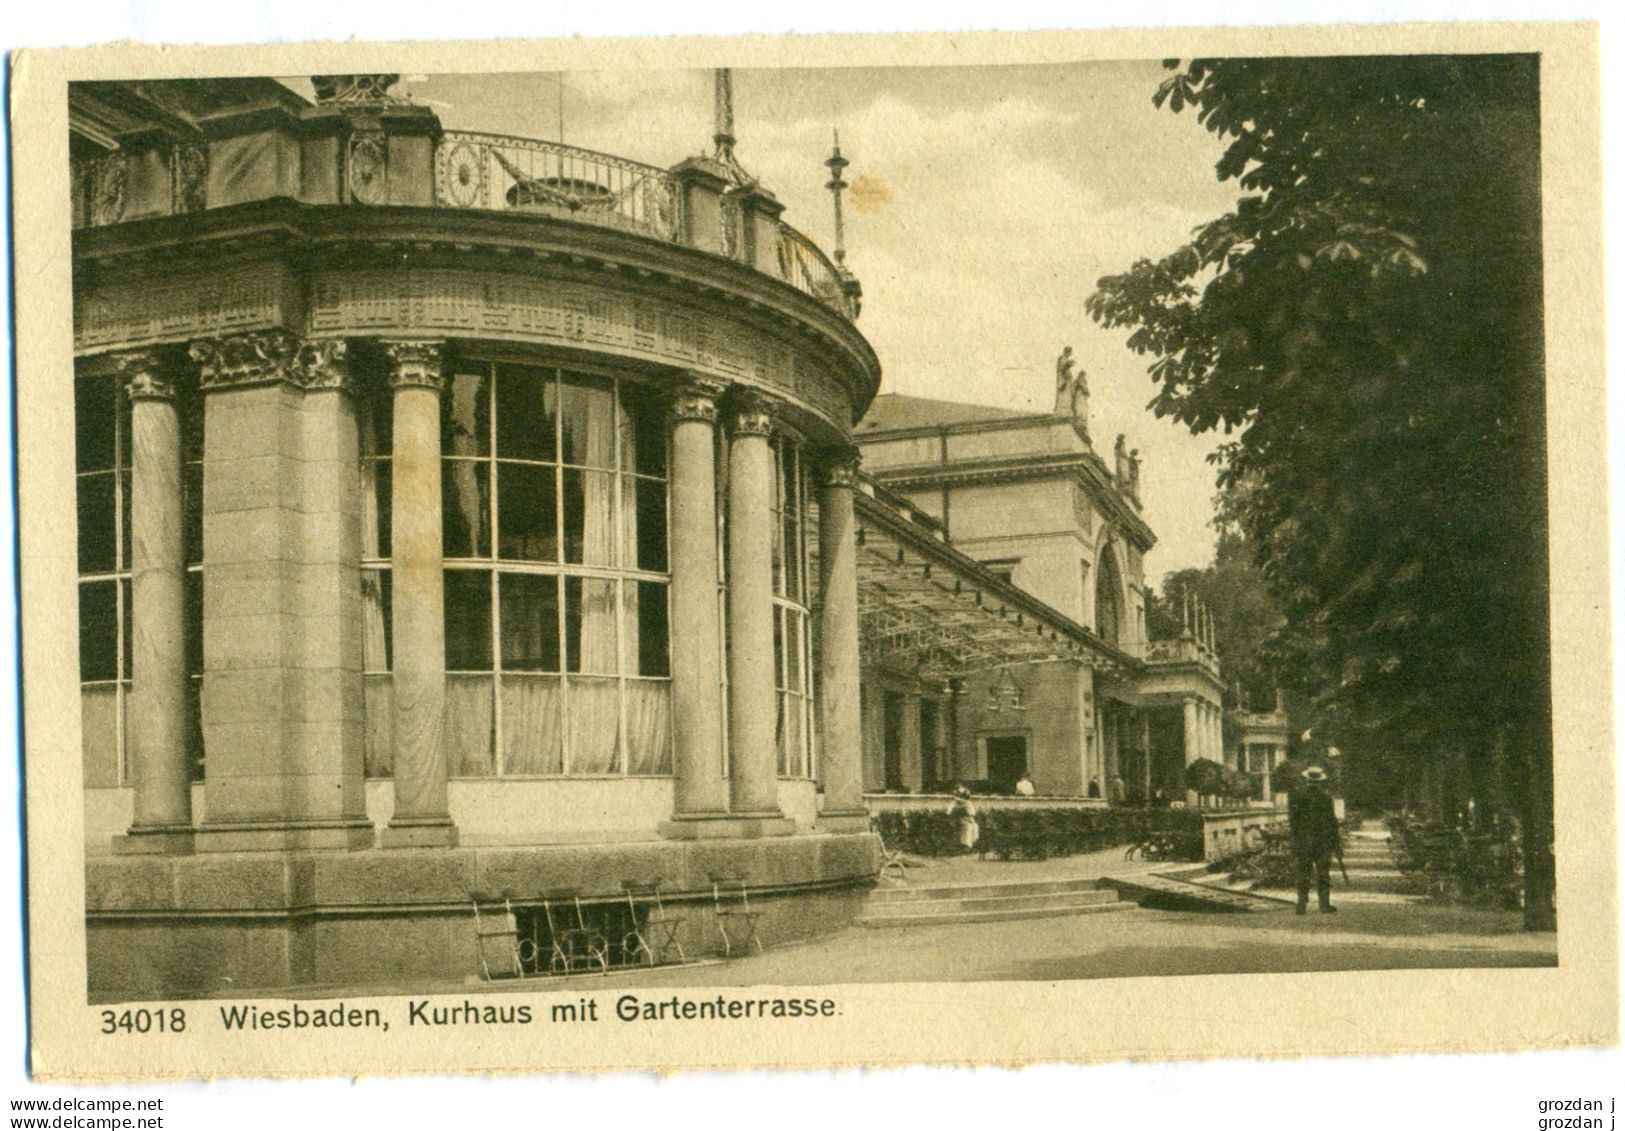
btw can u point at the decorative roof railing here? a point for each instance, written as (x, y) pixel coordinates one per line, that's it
(1181, 650)
(493, 172)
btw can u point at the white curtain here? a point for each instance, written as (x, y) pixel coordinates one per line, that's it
(595, 714)
(468, 725)
(379, 693)
(530, 725)
(648, 726)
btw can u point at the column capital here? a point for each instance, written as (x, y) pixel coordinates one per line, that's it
(750, 414)
(696, 399)
(416, 363)
(259, 358)
(144, 376)
(838, 466)
(322, 363)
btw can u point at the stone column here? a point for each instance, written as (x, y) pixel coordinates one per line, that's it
(1193, 738)
(157, 720)
(282, 697)
(752, 698)
(908, 743)
(700, 792)
(418, 673)
(1193, 742)
(839, 712)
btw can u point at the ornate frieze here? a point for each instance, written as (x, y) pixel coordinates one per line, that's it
(452, 303)
(354, 88)
(416, 363)
(144, 378)
(175, 308)
(189, 168)
(109, 184)
(367, 167)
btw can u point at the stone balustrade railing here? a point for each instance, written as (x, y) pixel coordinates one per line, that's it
(479, 171)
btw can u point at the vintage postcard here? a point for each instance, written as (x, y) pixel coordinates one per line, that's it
(844, 550)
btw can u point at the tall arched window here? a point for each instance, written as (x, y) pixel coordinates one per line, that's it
(554, 520)
(1108, 597)
(792, 623)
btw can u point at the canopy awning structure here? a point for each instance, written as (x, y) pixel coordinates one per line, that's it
(927, 608)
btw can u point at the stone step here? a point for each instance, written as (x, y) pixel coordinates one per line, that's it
(891, 919)
(1176, 894)
(991, 889)
(1033, 901)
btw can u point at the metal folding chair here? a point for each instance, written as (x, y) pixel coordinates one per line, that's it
(889, 857)
(574, 946)
(498, 930)
(730, 905)
(654, 928)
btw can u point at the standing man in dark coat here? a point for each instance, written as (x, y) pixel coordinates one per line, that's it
(1315, 836)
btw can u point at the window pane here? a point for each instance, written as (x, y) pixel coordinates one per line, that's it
(648, 726)
(587, 410)
(643, 430)
(791, 538)
(126, 525)
(96, 531)
(778, 645)
(644, 623)
(527, 513)
(98, 630)
(95, 427)
(195, 763)
(468, 726)
(124, 623)
(465, 500)
(532, 725)
(377, 421)
(525, 413)
(468, 620)
(376, 622)
(98, 731)
(465, 416)
(792, 650)
(645, 535)
(530, 623)
(595, 722)
(590, 621)
(192, 511)
(589, 518)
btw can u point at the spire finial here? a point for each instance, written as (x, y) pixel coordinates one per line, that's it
(836, 186)
(723, 127)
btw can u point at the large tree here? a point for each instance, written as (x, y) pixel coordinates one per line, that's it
(1366, 325)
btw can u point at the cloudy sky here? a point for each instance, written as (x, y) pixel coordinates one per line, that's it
(985, 204)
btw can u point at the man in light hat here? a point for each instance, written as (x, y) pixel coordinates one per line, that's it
(1315, 837)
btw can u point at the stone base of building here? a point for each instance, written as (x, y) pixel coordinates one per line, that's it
(843, 821)
(725, 826)
(424, 834)
(282, 836)
(155, 841)
(163, 927)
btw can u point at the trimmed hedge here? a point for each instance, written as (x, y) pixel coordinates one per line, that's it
(1032, 833)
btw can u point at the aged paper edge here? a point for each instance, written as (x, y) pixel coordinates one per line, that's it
(1575, 1003)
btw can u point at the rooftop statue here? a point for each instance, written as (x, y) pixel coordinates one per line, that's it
(1072, 393)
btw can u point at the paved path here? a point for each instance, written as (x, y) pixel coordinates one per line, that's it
(1367, 934)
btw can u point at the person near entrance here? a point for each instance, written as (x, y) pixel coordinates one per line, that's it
(964, 814)
(1315, 837)
(1024, 786)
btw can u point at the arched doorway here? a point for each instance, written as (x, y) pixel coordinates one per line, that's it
(1108, 597)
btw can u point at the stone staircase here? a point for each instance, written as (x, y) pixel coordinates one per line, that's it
(995, 902)
(1190, 889)
(1370, 862)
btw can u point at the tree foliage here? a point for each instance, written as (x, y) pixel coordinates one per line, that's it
(1366, 326)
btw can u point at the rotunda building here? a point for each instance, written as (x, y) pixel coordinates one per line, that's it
(463, 521)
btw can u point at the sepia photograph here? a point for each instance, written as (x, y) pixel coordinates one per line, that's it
(697, 541)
